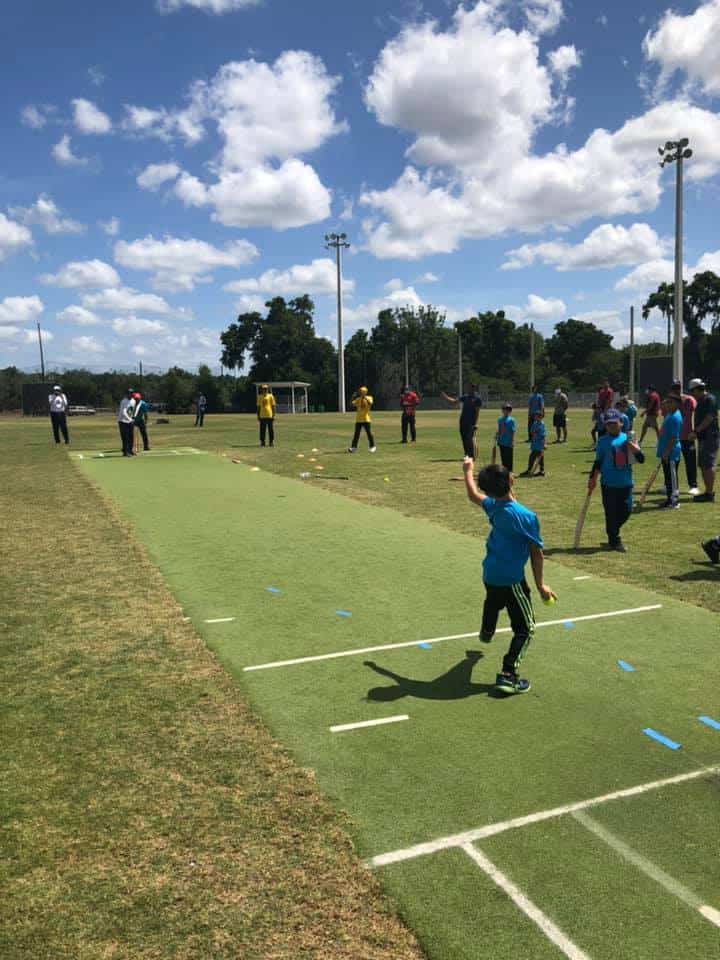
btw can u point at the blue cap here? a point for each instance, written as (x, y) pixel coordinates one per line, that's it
(613, 416)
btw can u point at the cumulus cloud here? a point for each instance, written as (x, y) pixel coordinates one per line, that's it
(208, 6)
(85, 345)
(563, 60)
(13, 237)
(428, 278)
(33, 117)
(133, 326)
(62, 152)
(538, 309)
(688, 44)
(318, 278)
(365, 314)
(90, 119)
(79, 316)
(180, 264)
(156, 174)
(543, 16)
(83, 273)
(606, 247)
(45, 213)
(111, 227)
(20, 310)
(648, 276)
(125, 300)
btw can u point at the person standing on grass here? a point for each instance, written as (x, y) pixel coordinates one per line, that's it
(200, 408)
(712, 549)
(669, 449)
(560, 415)
(266, 414)
(707, 432)
(362, 401)
(536, 404)
(470, 404)
(58, 414)
(688, 404)
(605, 397)
(538, 445)
(614, 465)
(408, 401)
(140, 418)
(652, 409)
(505, 436)
(125, 414)
(514, 537)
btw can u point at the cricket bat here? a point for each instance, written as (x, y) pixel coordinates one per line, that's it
(581, 519)
(136, 440)
(493, 455)
(648, 486)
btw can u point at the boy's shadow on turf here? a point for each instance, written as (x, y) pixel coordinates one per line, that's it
(549, 552)
(708, 571)
(455, 684)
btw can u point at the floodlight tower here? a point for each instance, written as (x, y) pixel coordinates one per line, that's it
(338, 242)
(675, 152)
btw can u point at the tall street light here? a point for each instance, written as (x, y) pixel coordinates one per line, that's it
(675, 152)
(338, 242)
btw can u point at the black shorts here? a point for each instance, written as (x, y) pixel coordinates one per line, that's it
(708, 445)
(560, 420)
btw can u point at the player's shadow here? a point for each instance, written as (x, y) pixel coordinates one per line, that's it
(707, 571)
(454, 684)
(453, 460)
(551, 551)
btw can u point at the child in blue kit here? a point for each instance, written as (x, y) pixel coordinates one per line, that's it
(505, 436)
(537, 446)
(669, 448)
(613, 461)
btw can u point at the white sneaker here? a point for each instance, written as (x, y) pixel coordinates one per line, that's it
(373, 449)
(352, 449)
(693, 491)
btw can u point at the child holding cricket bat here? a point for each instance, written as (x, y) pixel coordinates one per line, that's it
(669, 448)
(514, 537)
(613, 462)
(537, 446)
(505, 436)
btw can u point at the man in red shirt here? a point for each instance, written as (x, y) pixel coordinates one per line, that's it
(652, 409)
(605, 396)
(408, 401)
(688, 404)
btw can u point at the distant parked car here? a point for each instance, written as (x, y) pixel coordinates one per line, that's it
(80, 411)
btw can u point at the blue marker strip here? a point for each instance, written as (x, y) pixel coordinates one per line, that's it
(425, 646)
(272, 590)
(343, 613)
(626, 666)
(666, 742)
(569, 625)
(708, 721)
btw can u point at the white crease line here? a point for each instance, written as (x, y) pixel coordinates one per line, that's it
(553, 933)
(455, 636)
(480, 833)
(221, 620)
(588, 577)
(647, 867)
(342, 727)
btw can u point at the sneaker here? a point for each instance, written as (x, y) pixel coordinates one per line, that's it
(618, 546)
(484, 639)
(712, 550)
(511, 683)
(704, 498)
(668, 505)
(352, 449)
(694, 492)
(373, 449)
(541, 473)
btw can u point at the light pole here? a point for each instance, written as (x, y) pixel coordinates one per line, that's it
(675, 152)
(632, 352)
(42, 358)
(532, 356)
(336, 242)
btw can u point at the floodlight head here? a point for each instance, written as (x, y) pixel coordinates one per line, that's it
(661, 151)
(687, 154)
(669, 145)
(684, 142)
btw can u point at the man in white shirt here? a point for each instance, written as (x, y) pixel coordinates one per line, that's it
(58, 414)
(126, 422)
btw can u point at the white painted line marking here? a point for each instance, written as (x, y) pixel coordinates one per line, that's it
(80, 457)
(186, 619)
(221, 620)
(588, 577)
(342, 727)
(553, 933)
(455, 636)
(469, 836)
(647, 867)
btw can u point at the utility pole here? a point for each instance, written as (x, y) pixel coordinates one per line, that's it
(336, 242)
(532, 355)
(42, 357)
(460, 370)
(632, 353)
(407, 367)
(676, 152)
(140, 375)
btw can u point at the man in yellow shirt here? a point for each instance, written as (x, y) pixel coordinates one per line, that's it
(266, 414)
(362, 401)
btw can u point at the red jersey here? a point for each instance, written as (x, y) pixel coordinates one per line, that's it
(652, 407)
(688, 409)
(605, 398)
(409, 401)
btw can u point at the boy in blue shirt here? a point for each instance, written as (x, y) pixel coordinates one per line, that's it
(536, 404)
(505, 436)
(537, 446)
(669, 448)
(514, 536)
(614, 464)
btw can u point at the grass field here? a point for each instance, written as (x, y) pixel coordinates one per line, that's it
(501, 827)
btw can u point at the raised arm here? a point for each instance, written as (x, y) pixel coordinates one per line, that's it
(474, 495)
(449, 399)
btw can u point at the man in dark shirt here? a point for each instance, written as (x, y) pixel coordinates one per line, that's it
(470, 404)
(707, 432)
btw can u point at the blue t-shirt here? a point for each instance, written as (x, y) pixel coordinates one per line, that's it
(671, 427)
(536, 402)
(613, 456)
(471, 403)
(632, 413)
(537, 435)
(506, 431)
(513, 529)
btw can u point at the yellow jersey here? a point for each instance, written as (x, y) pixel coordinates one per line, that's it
(363, 405)
(266, 406)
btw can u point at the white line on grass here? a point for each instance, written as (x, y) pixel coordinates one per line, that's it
(553, 933)
(588, 577)
(221, 620)
(455, 636)
(342, 727)
(647, 867)
(470, 836)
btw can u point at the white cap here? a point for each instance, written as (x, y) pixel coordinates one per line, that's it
(56, 387)
(696, 382)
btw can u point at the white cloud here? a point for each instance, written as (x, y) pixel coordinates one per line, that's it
(208, 6)
(606, 247)
(97, 77)
(428, 278)
(126, 300)
(87, 345)
(155, 174)
(543, 16)
(83, 273)
(316, 278)
(191, 191)
(19, 310)
(395, 284)
(90, 119)
(537, 308)
(111, 227)
(33, 117)
(13, 237)
(563, 60)
(688, 44)
(79, 316)
(708, 261)
(45, 213)
(602, 20)
(365, 314)
(648, 276)
(133, 326)
(180, 264)
(250, 303)
(62, 152)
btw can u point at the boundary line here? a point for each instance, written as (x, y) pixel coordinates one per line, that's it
(342, 727)
(220, 620)
(455, 636)
(552, 932)
(470, 836)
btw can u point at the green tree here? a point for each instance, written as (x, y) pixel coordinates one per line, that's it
(584, 354)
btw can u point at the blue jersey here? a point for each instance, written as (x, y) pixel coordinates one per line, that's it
(536, 402)
(513, 529)
(670, 431)
(632, 413)
(614, 458)
(537, 435)
(505, 431)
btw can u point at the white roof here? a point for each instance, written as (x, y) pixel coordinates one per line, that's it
(282, 383)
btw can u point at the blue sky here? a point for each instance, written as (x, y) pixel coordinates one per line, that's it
(169, 163)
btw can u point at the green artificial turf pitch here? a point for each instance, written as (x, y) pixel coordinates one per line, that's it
(223, 534)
